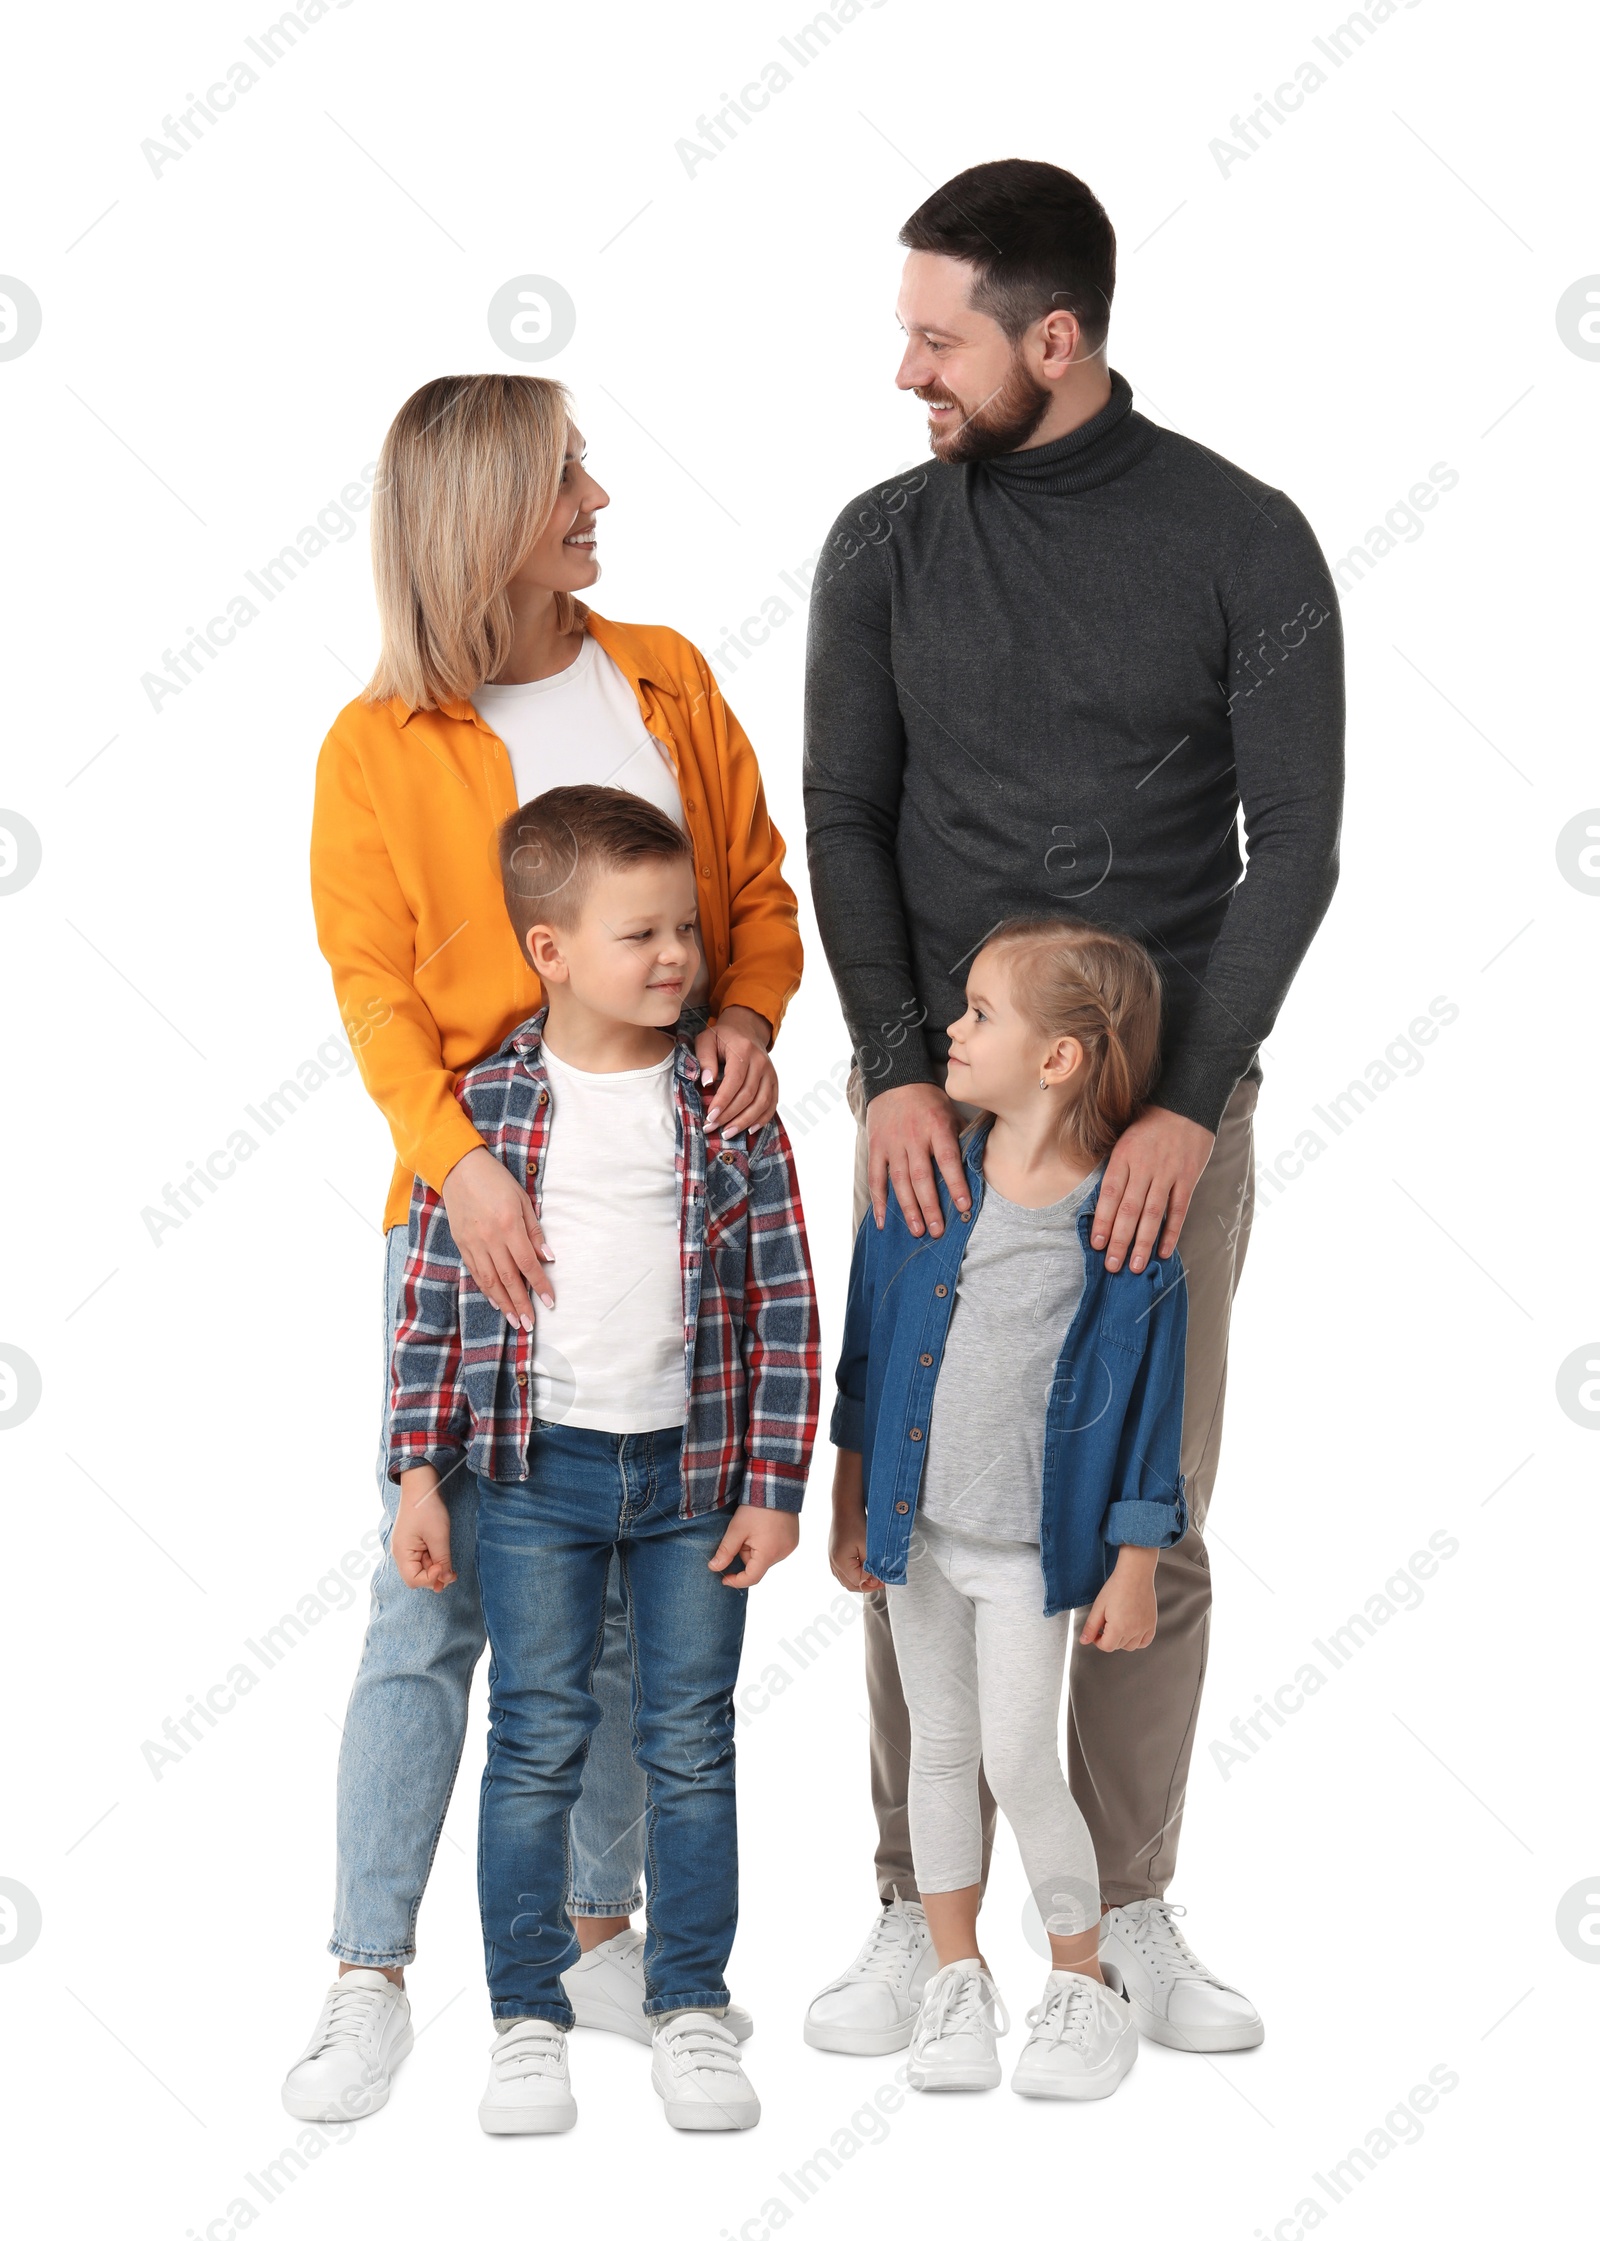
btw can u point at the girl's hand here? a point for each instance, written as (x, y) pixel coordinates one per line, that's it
(761, 1538)
(747, 1095)
(1124, 1612)
(847, 1538)
(420, 1541)
(497, 1234)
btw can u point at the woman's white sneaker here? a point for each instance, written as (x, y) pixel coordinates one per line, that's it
(362, 2036)
(953, 2042)
(606, 1988)
(1176, 1999)
(529, 2089)
(1082, 2041)
(872, 2008)
(695, 2068)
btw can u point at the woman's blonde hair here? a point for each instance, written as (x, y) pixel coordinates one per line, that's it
(1070, 978)
(467, 479)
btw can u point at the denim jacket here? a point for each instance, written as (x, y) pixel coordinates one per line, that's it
(1114, 1417)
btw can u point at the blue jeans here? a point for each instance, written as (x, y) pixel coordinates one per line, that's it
(407, 1722)
(546, 1548)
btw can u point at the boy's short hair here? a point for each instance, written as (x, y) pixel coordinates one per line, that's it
(554, 847)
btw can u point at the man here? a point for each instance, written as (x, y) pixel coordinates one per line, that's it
(1045, 675)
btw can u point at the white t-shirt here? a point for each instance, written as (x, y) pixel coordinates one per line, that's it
(582, 727)
(609, 1356)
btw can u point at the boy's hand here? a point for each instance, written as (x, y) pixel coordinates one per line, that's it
(1124, 1613)
(761, 1537)
(420, 1542)
(847, 1540)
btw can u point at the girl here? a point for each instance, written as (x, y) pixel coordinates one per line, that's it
(1014, 1412)
(495, 683)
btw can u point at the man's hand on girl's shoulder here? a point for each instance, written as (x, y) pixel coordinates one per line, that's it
(1150, 1177)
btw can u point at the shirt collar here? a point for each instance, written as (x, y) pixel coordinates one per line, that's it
(632, 651)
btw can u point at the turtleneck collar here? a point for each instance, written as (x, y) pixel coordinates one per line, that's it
(1102, 448)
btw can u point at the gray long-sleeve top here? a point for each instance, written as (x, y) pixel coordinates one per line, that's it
(1045, 684)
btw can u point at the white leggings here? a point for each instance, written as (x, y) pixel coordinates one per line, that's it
(982, 1669)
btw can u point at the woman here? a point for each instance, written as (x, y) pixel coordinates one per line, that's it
(495, 683)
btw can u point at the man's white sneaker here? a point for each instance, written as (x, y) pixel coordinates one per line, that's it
(1082, 2041)
(695, 2068)
(872, 2008)
(606, 1988)
(1176, 1999)
(362, 2035)
(953, 2042)
(529, 2089)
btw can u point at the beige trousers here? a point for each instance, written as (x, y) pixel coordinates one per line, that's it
(1132, 1717)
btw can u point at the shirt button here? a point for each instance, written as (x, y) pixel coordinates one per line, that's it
(544, 1097)
(522, 1377)
(926, 1360)
(902, 1507)
(726, 1158)
(940, 1290)
(967, 1216)
(915, 1433)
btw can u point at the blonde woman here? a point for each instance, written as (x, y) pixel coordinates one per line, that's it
(494, 684)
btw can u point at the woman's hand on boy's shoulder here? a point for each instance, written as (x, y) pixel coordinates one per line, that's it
(759, 1538)
(735, 1044)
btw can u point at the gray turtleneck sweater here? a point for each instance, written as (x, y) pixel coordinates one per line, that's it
(1046, 684)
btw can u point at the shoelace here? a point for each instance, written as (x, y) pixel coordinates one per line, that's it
(345, 2017)
(883, 1956)
(701, 2043)
(516, 2056)
(1066, 2013)
(958, 1998)
(1171, 1952)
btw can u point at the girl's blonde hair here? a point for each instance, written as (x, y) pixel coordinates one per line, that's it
(467, 479)
(1070, 978)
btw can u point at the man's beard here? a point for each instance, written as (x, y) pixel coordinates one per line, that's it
(1003, 423)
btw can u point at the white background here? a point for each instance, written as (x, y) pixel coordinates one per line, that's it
(1372, 291)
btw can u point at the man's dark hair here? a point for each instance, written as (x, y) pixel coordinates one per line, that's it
(1037, 237)
(553, 848)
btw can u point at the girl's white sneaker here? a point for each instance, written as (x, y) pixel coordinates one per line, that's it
(529, 2089)
(362, 2036)
(953, 2046)
(1082, 2041)
(695, 2067)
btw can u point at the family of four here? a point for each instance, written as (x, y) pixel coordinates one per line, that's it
(1048, 675)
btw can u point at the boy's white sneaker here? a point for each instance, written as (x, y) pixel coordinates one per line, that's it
(1082, 2041)
(529, 2089)
(362, 2035)
(1176, 1999)
(606, 1988)
(695, 2067)
(872, 2008)
(953, 2042)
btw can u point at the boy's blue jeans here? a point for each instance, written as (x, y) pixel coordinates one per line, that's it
(546, 1548)
(407, 1723)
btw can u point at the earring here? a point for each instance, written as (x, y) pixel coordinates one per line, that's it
(1043, 1084)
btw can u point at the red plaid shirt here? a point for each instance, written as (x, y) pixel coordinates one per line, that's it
(460, 1377)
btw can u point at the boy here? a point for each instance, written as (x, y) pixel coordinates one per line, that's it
(664, 1409)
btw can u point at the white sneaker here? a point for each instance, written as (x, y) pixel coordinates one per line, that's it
(953, 2042)
(529, 2089)
(1082, 2041)
(696, 2070)
(606, 1988)
(362, 2035)
(1176, 1999)
(872, 2008)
